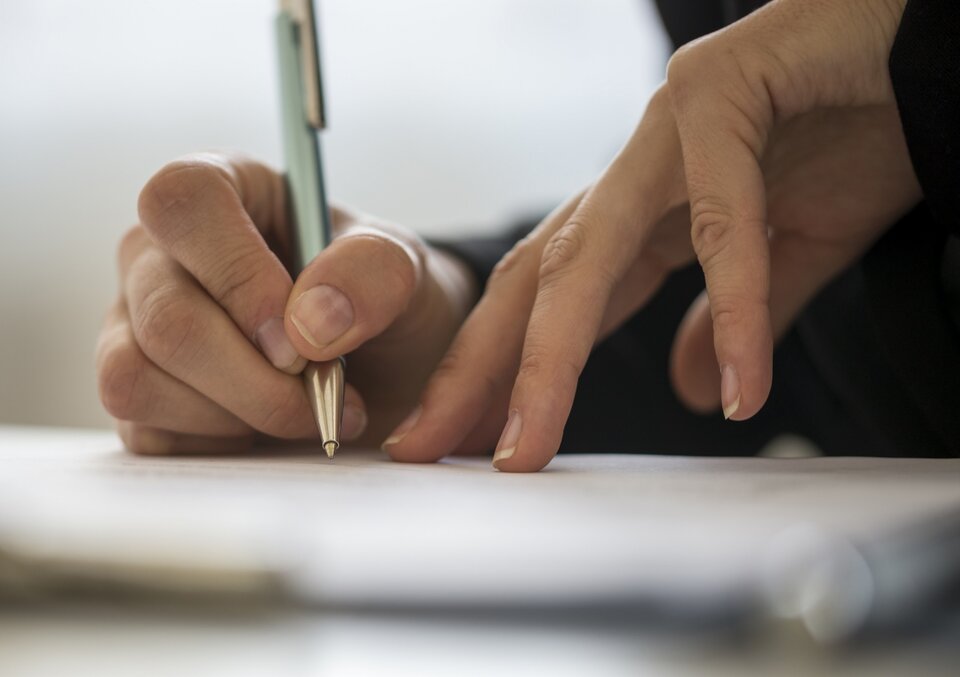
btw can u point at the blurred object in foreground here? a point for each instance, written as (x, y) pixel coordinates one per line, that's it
(845, 546)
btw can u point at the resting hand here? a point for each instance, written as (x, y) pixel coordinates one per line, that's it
(771, 112)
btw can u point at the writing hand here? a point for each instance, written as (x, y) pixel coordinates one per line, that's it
(200, 352)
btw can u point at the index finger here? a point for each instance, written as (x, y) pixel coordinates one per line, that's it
(582, 265)
(211, 213)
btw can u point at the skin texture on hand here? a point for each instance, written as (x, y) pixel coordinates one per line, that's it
(773, 155)
(201, 351)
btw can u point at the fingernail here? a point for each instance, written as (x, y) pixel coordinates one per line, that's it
(405, 427)
(508, 440)
(729, 390)
(273, 342)
(322, 315)
(354, 422)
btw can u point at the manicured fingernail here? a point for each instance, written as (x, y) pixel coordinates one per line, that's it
(322, 315)
(354, 422)
(272, 340)
(729, 390)
(405, 427)
(509, 438)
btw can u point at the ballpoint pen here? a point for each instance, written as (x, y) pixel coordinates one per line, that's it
(301, 99)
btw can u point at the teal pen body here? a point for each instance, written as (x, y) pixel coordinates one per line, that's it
(308, 213)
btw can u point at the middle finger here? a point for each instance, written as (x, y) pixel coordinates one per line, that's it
(186, 334)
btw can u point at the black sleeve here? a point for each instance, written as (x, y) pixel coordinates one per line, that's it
(687, 20)
(482, 253)
(925, 70)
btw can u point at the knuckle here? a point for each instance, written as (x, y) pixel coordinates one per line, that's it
(521, 252)
(682, 70)
(660, 99)
(742, 107)
(173, 192)
(236, 276)
(725, 319)
(452, 368)
(449, 364)
(166, 327)
(564, 252)
(130, 242)
(710, 229)
(725, 313)
(120, 381)
(535, 365)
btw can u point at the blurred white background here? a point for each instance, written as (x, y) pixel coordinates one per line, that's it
(445, 116)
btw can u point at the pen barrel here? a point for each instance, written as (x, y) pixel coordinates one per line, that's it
(308, 214)
(325, 384)
(307, 208)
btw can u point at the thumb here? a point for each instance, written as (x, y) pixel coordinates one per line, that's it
(353, 290)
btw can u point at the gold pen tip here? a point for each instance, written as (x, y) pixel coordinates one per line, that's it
(331, 448)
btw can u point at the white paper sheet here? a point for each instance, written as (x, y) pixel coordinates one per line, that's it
(363, 530)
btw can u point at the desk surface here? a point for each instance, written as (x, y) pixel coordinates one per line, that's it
(595, 525)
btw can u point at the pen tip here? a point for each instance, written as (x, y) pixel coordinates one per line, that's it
(331, 448)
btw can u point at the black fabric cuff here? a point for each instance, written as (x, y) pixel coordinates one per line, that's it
(481, 254)
(925, 70)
